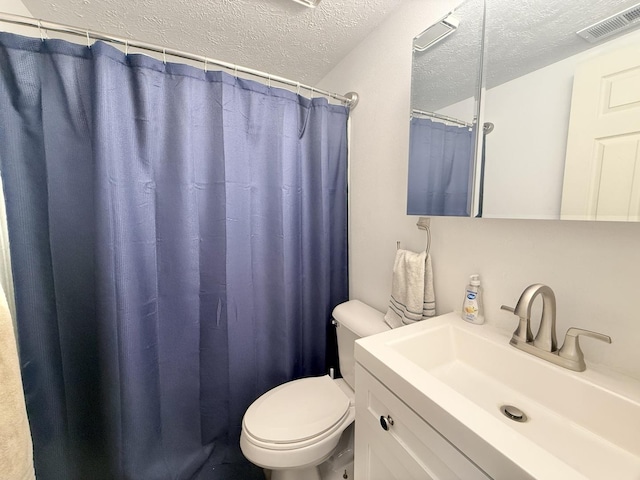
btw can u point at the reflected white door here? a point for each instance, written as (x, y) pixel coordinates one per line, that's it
(602, 167)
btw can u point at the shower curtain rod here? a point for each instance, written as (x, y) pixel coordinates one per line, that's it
(441, 117)
(350, 99)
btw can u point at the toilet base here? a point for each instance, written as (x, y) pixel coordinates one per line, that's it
(310, 473)
(338, 466)
(345, 473)
(315, 473)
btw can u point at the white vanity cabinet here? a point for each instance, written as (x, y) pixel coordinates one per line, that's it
(441, 387)
(409, 448)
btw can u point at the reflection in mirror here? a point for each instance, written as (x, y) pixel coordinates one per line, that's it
(566, 110)
(444, 110)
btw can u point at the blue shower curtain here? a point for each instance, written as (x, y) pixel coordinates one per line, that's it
(178, 240)
(440, 169)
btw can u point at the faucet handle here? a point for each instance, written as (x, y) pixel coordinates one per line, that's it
(571, 348)
(522, 333)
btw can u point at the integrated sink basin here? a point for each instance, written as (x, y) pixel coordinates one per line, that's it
(457, 376)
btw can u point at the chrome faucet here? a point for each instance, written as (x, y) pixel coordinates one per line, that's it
(546, 337)
(545, 345)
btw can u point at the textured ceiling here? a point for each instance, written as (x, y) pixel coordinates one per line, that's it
(276, 36)
(522, 36)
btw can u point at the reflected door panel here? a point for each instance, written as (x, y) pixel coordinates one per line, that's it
(602, 168)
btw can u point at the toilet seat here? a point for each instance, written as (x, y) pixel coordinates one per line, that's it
(297, 414)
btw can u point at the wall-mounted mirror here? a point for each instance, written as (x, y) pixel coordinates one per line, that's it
(445, 86)
(565, 110)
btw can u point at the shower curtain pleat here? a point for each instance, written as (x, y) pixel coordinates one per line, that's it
(178, 241)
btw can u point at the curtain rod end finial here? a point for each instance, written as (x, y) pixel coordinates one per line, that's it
(353, 98)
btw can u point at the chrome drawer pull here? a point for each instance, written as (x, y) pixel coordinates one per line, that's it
(386, 422)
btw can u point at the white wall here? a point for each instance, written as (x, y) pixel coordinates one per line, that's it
(593, 267)
(531, 118)
(15, 7)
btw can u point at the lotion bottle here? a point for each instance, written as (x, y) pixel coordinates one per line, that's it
(472, 305)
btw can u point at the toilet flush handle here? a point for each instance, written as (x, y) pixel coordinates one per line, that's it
(386, 422)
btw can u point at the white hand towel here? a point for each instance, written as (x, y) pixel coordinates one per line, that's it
(407, 289)
(429, 308)
(16, 450)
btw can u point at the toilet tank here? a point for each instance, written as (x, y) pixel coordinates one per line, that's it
(355, 320)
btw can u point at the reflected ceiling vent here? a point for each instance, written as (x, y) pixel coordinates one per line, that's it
(435, 33)
(617, 23)
(308, 3)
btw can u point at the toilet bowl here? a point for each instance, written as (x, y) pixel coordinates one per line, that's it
(294, 428)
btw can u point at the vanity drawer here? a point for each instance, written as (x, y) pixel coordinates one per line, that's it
(409, 449)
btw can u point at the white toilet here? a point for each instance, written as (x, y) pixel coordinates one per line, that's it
(300, 430)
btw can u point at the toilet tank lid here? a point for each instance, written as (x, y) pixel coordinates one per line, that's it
(360, 318)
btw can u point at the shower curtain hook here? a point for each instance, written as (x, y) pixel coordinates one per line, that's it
(40, 30)
(311, 88)
(164, 56)
(88, 40)
(126, 48)
(298, 90)
(205, 64)
(269, 81)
